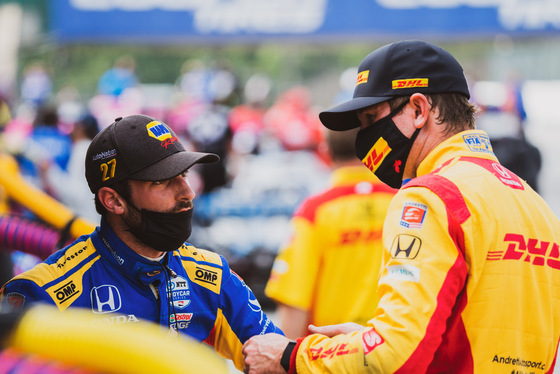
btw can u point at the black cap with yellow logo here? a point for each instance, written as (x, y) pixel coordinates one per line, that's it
(398, 69)
(138, 147)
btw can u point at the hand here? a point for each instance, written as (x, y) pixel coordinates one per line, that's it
(263, 354)
(332, 330)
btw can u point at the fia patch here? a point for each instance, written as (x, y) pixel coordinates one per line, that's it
(478, 142)
(413, 215)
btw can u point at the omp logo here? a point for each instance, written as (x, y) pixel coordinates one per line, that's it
(65, 292)
(478, 142)
(409, 83)
(405, 247)
(376, 154)
(534, 251)
(158, 130)
(362, 77)
(105, 299)
(206, 276)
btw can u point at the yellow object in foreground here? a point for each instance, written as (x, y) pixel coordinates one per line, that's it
(74, 338)
(42, 205)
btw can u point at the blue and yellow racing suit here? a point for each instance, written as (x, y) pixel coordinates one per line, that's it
(190, 290)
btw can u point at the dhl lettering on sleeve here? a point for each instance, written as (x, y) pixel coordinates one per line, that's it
(337, 350)
(376, 154)
(534, 251)
(362, 77)
(409, 83)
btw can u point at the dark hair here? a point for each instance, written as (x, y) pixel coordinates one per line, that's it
(121, 187)
(342, 144)
(90, 125)
(455, 110)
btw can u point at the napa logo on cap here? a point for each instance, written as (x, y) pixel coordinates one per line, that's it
(409, 83)
(158, 130)
(363, 77)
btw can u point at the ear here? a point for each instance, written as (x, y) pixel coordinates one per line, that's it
(111, 200)
(421, 107)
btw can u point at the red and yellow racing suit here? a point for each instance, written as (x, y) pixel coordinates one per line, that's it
(470, 280)
(331, 265)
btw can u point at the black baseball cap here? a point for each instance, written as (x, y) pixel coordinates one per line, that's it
(138, 147)
(398, 69)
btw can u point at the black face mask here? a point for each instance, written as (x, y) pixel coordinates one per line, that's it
(163, 231)
(383, 148)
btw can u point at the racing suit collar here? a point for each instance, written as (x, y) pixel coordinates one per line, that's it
(124, 259)
(473, 143)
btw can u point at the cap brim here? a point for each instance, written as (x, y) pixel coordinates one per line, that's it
(173, 165)
(344, 117)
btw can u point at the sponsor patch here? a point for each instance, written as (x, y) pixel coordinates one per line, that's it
(413, 215)
(506, 177)
(180, 292)
(404, 273)
(179, 317)
(15, 300)
(405, 247)
(66, 292)
(409, 83)
(478, 142)
(104, 154)
(157, 130)
(371, 339)
(362, 77)
(376, 154)
(105, 299)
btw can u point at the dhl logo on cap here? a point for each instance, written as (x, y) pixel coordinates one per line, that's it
(363, 77)
(377, 154)
(410, 83)
(157, 130)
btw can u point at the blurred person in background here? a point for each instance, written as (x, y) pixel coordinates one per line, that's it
(327, 274)
(503, 117)
(137, 263)
(293, 122)
(69, 185)
(36, 85)
(209, 129)
(45, 143)
(118, 78)
(470, 274)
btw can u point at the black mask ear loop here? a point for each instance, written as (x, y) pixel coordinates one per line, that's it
(400, 107)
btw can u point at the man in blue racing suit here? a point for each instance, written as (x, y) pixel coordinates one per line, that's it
(136, 265)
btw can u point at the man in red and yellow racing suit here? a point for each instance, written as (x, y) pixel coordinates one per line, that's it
(328, 271)
(471, 263)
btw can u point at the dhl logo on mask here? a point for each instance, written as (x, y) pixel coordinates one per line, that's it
(376, 154)
(157, 130)
(363, 77)
(409, 83)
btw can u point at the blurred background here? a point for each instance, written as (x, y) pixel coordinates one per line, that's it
(246, 79)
